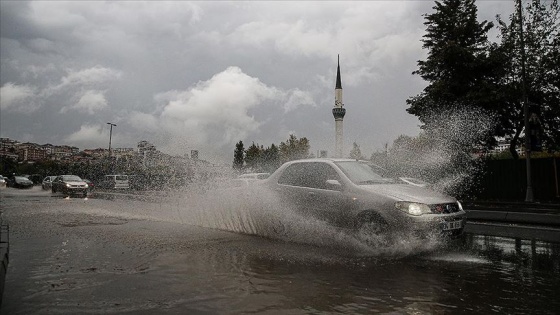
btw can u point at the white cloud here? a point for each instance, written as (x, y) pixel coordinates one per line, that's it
(94, 76)
(91, 134)
(298, 98)
(90, 101)
(17, 98)
(217, 110)
(143, 122)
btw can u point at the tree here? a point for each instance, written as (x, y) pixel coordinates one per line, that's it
(542, 45)
(271, 158)
(356, 153)
(457, 66)
(294, 149)
(238, 156)
(253, 157)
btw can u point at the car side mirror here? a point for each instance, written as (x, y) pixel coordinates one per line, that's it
(334, 184)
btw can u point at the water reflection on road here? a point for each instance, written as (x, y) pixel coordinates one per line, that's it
(99, 256)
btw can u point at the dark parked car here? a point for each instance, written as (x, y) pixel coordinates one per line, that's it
(350, 194)
(70, 185)
(19, 182)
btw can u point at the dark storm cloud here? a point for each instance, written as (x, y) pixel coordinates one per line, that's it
(204, 75)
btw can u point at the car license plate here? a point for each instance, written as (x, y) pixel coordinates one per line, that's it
(452, 225)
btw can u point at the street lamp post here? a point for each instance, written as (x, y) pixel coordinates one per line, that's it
(110, 136)
(529, 192)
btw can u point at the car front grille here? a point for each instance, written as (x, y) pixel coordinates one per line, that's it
(445, 208)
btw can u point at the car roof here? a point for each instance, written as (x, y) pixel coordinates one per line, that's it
(324, 160)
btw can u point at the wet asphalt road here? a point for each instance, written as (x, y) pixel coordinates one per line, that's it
(75, 256)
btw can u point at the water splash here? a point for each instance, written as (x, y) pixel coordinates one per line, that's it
(254, 211)
(443, 152)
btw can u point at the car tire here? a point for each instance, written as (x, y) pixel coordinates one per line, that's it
(371, 224)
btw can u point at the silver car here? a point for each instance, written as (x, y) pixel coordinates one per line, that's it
(46, 184)
(350, 194)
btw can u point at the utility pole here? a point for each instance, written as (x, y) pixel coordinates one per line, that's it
(110, 136)
(529, 193)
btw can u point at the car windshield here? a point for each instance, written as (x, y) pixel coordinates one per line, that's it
(21, 178)
(71, 178)
(362, 174)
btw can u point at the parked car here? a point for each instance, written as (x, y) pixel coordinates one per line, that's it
(350, 194)
(91, 185)
(2, 181)
(19, 182)
(70, 185)
(115, 182)
(254, 176)
(46, 184)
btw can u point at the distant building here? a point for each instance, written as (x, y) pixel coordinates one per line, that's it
(503, 146)
(30, 152)
(63, 152)
(146, 148)
(97, 153)
(123, 152)
(49, 148)
(7, 144)
(5, 154)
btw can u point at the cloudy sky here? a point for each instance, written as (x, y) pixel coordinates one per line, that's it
(204, 75)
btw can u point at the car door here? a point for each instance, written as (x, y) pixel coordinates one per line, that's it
(304, 186)
(327, 200)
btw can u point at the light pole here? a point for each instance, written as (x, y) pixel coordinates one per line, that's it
(529, 192)
(110, 136)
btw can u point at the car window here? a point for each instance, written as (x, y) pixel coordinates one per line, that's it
(362, 174)
(72, 178)
(312, 175)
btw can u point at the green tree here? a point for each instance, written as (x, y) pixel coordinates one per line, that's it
(238, 156)
(271, 158)
(253, 159)
(542, 46)
(294, 149)
(356, 153)
(458, 67)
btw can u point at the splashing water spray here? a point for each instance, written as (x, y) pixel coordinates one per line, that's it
(440, 155)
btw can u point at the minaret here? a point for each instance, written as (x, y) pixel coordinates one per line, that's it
(338, 112)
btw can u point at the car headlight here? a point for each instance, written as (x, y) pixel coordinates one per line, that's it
(68, 185)
(87, 185)
(413, 208)
(460, 205)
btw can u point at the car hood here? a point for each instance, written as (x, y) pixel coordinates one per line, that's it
(411, 193)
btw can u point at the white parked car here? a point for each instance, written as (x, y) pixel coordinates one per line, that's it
(2, 181)
(47, 182)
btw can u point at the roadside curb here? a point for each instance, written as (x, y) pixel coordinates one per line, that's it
(4, 256)
(514, 217)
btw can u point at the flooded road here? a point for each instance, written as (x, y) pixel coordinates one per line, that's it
(92, 255)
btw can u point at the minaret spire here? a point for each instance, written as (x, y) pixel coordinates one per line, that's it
(338, 112)
(338, 81)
